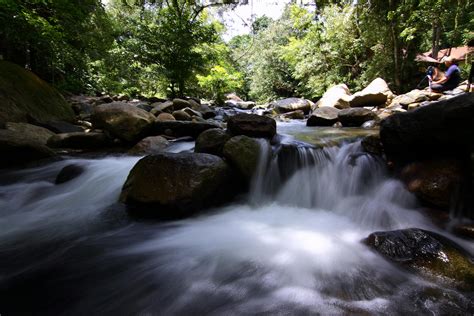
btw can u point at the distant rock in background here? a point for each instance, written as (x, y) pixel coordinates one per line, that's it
(291, 104)
(375, 94)
(323, 116)
(337, 97)
(122, 120)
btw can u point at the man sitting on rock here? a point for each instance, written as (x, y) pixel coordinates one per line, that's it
(451, 78)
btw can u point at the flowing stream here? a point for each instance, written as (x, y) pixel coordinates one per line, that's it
(291, 247)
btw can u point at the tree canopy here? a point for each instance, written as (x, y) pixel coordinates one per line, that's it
(176, 47)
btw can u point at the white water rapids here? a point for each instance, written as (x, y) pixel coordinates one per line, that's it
(293, 246)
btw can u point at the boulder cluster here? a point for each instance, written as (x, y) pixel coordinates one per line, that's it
(168, 185)
(430, 149)
(338, 107)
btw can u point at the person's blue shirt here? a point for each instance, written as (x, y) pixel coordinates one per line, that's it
(454, 76)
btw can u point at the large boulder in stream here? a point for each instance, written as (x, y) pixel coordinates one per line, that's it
(375, 94)
(426, 253)
(24, 96)
(355, 117)
(252, 125)
(323, 116)
(35, 133)
(17, 149)
(243, 153)
(122, 120)
(443, 127)
(291, 104)
(176, 185)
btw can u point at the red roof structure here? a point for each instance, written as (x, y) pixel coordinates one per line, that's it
(459, 54)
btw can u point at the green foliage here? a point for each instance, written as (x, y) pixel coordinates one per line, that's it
(174, 47)
(219, 82)
(266, 74)
(54, 38)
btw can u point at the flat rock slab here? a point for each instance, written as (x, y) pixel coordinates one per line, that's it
(355, 117)
(252, 125)
(323, 116)
(291, 104)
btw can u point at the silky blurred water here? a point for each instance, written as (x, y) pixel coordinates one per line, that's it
(291, 247)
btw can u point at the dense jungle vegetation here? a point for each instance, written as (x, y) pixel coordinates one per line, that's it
(176, 47)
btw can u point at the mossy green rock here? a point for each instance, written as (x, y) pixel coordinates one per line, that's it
(212, 141)
(427, 253)
(24, 95)
(243, 153)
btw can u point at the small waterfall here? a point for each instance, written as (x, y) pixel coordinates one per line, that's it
(343, 179)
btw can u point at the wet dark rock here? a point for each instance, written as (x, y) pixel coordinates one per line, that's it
(372, 144)
(355, 117)
(291, 104)
(323, 116)
(243, 153)
(122, 120)
(79, 140)
(464, 230)
(436, 182)
(441, 127)
(180, 128)
(61, 127)
(427, 253)
(252, 125)
(149, 145)
(18, 149)
(69, 173)
(176, 185)
(212, 141)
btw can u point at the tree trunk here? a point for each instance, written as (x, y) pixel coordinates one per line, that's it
(396, 57)
(435, 39)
